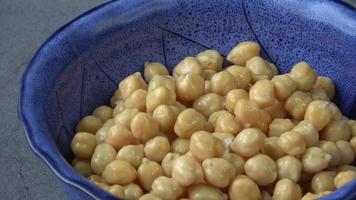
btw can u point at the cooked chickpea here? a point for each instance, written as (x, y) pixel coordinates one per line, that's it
(309, 133)
(343, 178)
(218, 172)
(265, 195)
(89, 124)
(284, 86)
(314, 160)
(353, 144)
(209, 103)
(261, 169)
(346, 151)
(149, 196)
(188, 122)
(189, 87)
(297, 104)
(226, 138)
(187, 171)
(248, 142)
(233, 96)
(247, 111)
(166, 188)
(119, 172)
(180, 146)
(83, 145)
(242, 52)
(264, 119)
(156, 148)
(346, 168)
(311, 196)
(126, 116)
(132, 154)
(104, 113)
(208, 73)
(336, 130)
(115, 98)
(237, 161)
(159, 96)
(204, 145)
(210, 59)
(152, 69)
(206, 192)
(167, 163)
(227, 123)
(103, 155)
(279, 126)
(326, 84)
(159, 81)
(166, 117)
(292, 143)
(188, 65)
(131, 84)
(271, 148)
(323, 181)
(276, 110)
(132, 191)
(119, 107)
(331, 149)
(352, 124)
(262, 93)
(319, 94)
(119, 136)
(335, 112)
(259, 69)
(117, 191)
(242, 76)
(286, 189)
(147, 172)
(137, 100)
(222, 82)
(274, 69)
(207, 87)
(243, 187)
(318, 113)
(83, 168)
(144, 127)
(214, 117)
(101, 133)
(289, 167)
(303, 75)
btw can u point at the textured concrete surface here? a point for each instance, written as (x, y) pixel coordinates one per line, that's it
(24, 25)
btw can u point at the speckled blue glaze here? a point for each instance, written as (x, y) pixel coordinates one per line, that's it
(78, 67)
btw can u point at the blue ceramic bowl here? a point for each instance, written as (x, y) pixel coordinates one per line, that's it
(79, 66)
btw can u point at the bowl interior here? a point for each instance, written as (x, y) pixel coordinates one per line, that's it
(80, 66)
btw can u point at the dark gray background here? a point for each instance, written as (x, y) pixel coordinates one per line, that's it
(24, 26)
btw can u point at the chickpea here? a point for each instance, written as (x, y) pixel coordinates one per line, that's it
(95, 178)
(188, 122)
(132, 154)
(222, 82)
(188, 65)
(297, 104)
(166, 117)
(180, 146)
(166, 188)
(259, 69)
(89, 124)
(261, 169)
(336, 130)
(132, 191)
(167, 163)
(279, 126)
(208, 73)
(311, 196)
(119, 136)
(126, 116)
(319, 94)
(286, 189)
(352, 124)
(101, 133)
(335, 112)
(103, 155)
(271, 148)
(144, 127)
(152, 69)
(119, 107)
(227, 123)
(131, 84)
(274, 69)
(187, 171)
(318, 113)
(353, 144)
(117, 191)
(284, 86)
(104, 113)
(265, 195)
(242, 52)
(264, 119)
(314, 160)
(189, 87)
(119, 172)
(262, 93)
(159, 96)
(204, 145)
(147, 172)
(83, 168)
(156, 148)
(224, 169)
(276, 110)
(209, 103)
(207, 87)
(115, 98)
(149, 196)
(289, 167)
(206, 192)
(237, 161)
(242, 76)
(346, 168)
(248, 142)
(309, 133)
(323, 181)
(343, 178)
(346, 151)
(292, 143)
(247, 111)
(304, 76)
(137, 100)
(159, 81)
(243, 187)
(210, 59)
(233, 96)
(83, 145)
(331, 149)
(326, 84)
(214, 117)
(226, 138)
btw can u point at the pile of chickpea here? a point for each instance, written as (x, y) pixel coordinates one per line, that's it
(242, 132)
